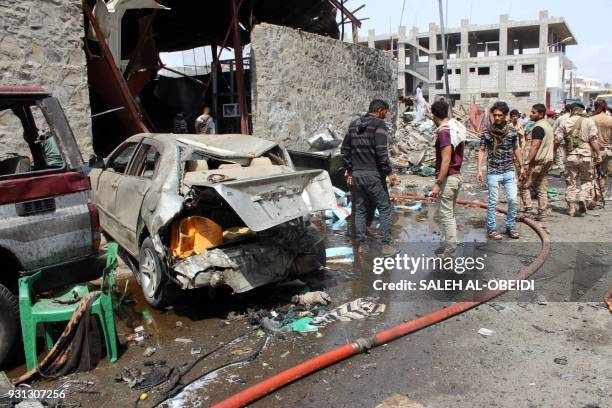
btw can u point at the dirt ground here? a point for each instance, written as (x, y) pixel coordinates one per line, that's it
(549, 348)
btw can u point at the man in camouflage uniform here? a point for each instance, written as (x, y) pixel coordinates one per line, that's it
(604, 133)
(580, 136)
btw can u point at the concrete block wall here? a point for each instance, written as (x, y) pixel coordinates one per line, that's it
(484, 83)
(302, 81)
(41, 44)
(519, 81)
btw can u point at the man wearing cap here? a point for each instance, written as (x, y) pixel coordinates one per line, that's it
(539, 161)
(580, 136)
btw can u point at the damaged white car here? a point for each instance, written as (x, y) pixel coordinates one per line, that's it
(209, 210)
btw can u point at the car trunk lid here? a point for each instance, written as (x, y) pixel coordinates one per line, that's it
(266, 201)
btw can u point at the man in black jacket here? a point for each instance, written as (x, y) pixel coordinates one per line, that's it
(366, 160)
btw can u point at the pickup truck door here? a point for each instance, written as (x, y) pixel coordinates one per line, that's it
(132, 190)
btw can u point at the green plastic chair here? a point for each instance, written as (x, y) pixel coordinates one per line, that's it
(52, 310)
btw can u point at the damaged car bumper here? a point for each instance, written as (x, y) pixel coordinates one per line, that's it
(289, 250)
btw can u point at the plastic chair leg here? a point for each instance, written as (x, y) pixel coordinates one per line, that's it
(110, 337)
(48, 329)
(28, 332)
(111, 350)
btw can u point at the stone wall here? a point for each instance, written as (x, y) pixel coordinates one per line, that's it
(41, 44)
(302, 81)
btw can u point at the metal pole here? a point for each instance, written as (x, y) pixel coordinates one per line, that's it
(214, 77)
(244, 124)
(342, 20)
(450, 113)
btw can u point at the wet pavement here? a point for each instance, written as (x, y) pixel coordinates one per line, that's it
(208, 320)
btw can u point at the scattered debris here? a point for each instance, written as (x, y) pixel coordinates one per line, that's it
(196, 350)
(355, 310)
(156, 363)
(538, 328)
(312, 298)
(179, 324)
(183, 340)
(414, 207)
(485, 332)
(368, 366)
(561, 360)
(149, 351)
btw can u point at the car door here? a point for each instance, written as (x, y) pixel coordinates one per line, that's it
(132, 189)
(106, 184)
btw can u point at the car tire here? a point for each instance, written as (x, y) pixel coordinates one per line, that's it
(158, 291)
(9, 324)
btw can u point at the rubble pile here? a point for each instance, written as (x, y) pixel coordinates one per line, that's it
(412, 144)
(411, 148)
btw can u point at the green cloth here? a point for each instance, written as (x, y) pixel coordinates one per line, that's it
(52, 152)
(302, 325)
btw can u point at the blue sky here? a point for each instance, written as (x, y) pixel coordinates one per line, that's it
(589, 20)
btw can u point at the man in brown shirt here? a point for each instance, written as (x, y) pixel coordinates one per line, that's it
(604, 131)
(580, 136)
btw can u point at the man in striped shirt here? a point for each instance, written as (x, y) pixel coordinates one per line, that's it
(500, 143)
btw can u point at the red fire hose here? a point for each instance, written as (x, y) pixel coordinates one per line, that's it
(296, 372)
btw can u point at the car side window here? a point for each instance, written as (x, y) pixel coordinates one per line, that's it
(120, 161)
(146, 164)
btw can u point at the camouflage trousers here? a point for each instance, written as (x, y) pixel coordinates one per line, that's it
(578, 168)
(537, 180)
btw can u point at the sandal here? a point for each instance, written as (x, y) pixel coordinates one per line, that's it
(512, 233)
(492, 234)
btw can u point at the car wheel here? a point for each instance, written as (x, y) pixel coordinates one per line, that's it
(9, 324)
(157, 290)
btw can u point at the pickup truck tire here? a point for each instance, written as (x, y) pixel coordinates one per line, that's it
(157, 289)
(9, 324)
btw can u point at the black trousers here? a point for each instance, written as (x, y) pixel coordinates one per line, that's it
(369, 193)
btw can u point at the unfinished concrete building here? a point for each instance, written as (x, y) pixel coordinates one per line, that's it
(521, 62)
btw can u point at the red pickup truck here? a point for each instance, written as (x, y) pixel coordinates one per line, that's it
(47, 219)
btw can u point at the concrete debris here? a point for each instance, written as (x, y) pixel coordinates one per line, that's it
(327, 137)
(149, 351)
(413, 141)
(412, 145)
